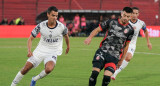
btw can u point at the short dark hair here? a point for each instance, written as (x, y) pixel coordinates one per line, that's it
(52, 8)
(128, 9)
(135, 8)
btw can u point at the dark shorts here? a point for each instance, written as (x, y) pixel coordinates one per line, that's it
(104, 60)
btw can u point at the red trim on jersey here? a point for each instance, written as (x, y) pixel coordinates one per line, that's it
(129, 41)
(110, 65)
(100, 27)
(122, 24)
(103, 38)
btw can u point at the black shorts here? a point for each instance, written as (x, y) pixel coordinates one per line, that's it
(104, 60)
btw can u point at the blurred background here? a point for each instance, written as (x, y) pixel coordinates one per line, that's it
(80, 16)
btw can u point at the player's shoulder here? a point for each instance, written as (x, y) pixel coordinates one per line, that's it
(140, 21)
(43, 23)
(60, 24)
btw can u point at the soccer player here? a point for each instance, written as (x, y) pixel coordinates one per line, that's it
(50, 45)
(118, 35)
(137, 24)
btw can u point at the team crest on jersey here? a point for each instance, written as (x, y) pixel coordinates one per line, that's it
(126, 31)
(97, 58)
(50, 35)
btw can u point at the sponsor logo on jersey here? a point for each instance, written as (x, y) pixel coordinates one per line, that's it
(51, 40)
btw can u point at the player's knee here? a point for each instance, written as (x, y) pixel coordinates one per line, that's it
(93, 78)
(128, 59)
(48, 69)
(106, 80)
(25, 70)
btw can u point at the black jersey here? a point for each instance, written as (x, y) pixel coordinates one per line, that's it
(116, 36)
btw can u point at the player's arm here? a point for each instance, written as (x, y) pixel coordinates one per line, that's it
(66, 37)
(93, 33)
(123, 54)
(147, 38)
(29, 45)
(34, 33)
(103, 26)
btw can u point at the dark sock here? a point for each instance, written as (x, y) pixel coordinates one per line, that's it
(106, 80)
(93, 78)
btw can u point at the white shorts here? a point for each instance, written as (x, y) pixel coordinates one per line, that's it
(131, 49)
(38, 57)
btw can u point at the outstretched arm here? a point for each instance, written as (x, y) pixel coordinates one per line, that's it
(29, 45)
(147, 38)
(93, 33)
(123, 54)
(67, 43)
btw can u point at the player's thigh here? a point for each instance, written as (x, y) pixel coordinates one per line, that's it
(98, 60)
(50, 61)
(36, 59)
(110, 65)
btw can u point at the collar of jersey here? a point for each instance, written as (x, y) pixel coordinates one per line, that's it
(122, 24)
(132, 22)
(53, 27)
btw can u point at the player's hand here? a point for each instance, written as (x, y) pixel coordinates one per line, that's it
(149, 46)
(67, 50)
(87, 41)
(119, 63)
(29, 54)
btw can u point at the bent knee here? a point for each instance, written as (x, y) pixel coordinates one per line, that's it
(48, 69)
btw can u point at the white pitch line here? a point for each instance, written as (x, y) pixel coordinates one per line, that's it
(147, 53)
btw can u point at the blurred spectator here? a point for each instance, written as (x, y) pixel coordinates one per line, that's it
(70, 27)
(18, 20)
(83, 24)
(13, 22)
(75, 29)
(21, 22)
(92, 26)
(4, 21)
(61, 19)
(113, 16)
(100, 19)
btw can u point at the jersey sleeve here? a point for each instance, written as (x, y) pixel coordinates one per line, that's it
(129, 38)
(104, 25)
(36, 30)
(65, 31)
(143, 26)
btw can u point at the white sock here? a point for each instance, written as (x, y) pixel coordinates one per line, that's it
(16, 80)
(124, 64)
(41, 75)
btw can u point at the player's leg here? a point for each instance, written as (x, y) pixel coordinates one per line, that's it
(97, 66)
(50, 63)
(108, 72)
(125, 62)
(21, 73)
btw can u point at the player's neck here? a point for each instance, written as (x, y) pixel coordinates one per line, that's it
(51, 25)
(123, 23)
(134, 20)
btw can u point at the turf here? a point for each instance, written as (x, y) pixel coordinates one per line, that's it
(75, 68)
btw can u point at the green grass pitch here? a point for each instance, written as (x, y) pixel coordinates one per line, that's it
(75, 68)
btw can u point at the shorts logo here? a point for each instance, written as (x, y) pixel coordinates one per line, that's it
(54, 57)
(97, 58)
(125, 31)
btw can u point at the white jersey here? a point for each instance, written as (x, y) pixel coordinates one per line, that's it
(51, 40)
(137, 26)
